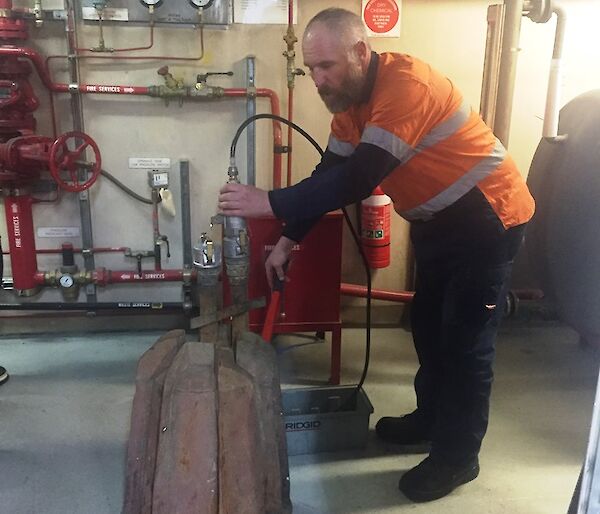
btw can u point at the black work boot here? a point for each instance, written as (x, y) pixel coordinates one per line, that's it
(433, 479)
(405, 430)
(3, 375)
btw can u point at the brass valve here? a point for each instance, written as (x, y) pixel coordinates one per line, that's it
(202, 77)
(170, 81)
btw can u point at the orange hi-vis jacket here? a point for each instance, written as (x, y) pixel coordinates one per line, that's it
(444, 147)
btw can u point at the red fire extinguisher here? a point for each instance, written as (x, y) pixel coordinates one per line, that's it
(375, 213)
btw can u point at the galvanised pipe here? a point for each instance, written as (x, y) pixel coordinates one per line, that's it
(550, 127)
(508, 69)
(277, 141)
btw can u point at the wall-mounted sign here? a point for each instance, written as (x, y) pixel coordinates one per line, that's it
(59, 232)
(149, 163)
(263, 11)
(382, 17)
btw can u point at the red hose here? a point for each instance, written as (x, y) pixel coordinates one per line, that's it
(267, 331)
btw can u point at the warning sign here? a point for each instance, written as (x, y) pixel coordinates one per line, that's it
(381, 17)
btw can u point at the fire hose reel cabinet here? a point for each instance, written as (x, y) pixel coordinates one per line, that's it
(311, 294)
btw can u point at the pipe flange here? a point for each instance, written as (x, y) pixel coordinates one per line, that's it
(539, 11)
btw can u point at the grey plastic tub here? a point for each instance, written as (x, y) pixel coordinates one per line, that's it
(314, 421)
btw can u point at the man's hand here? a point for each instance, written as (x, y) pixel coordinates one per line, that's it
(278, 258)
(244, 201)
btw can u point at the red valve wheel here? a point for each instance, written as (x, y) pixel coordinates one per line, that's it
(63, 159)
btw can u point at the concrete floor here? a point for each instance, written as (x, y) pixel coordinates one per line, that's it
(64, 419)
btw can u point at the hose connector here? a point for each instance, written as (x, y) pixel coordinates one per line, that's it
(206, 253)
(233, 176)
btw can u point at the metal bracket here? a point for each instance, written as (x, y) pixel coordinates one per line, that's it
(227, 312)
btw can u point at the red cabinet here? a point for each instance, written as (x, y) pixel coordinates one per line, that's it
(311, 296)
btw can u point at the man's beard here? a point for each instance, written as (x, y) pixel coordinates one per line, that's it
(349, 93)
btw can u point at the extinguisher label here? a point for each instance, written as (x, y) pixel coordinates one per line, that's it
(376, 222)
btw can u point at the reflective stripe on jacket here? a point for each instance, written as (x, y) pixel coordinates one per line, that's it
(444, 148)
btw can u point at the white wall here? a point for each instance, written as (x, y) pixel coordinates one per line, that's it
(450, 34)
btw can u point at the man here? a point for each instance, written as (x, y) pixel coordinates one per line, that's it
(400, 124)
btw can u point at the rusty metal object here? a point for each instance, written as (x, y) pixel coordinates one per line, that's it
(210, 317)
(260, 361)
(187, 475)
(145, 416)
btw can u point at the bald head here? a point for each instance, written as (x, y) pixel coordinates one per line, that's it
(337, 53)
(347, 27)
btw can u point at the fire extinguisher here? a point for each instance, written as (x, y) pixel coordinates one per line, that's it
(375, 213)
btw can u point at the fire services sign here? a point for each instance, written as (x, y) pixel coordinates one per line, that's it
(382, 17)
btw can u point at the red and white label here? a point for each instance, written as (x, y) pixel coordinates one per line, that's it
(382, 17)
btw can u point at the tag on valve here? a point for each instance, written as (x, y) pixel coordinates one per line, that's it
(167, 203)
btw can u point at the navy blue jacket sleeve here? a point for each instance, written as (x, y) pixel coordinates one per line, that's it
(297, 228)
(343, 182)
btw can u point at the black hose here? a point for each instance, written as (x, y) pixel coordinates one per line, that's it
(118, 183)
(350, 402)
(124, 188)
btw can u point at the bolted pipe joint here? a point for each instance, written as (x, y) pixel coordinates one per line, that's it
(202, 91)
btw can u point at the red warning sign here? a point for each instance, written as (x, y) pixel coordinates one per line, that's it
(381, 16)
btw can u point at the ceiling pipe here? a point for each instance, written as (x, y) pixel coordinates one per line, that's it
(508, 69)
(551, 114)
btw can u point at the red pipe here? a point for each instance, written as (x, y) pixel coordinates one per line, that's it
(407, 296)
(103, 89)
(289, 137)
(42, 71)
(34, 57)
(277, 141)
(109, 249)
(21, 241)
(102, 277)
(376, 294)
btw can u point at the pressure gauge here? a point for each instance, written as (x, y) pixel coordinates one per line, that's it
(66, 281)
(204, 4)
(151, 3)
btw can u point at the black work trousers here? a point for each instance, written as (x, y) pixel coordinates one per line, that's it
(463, 259)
